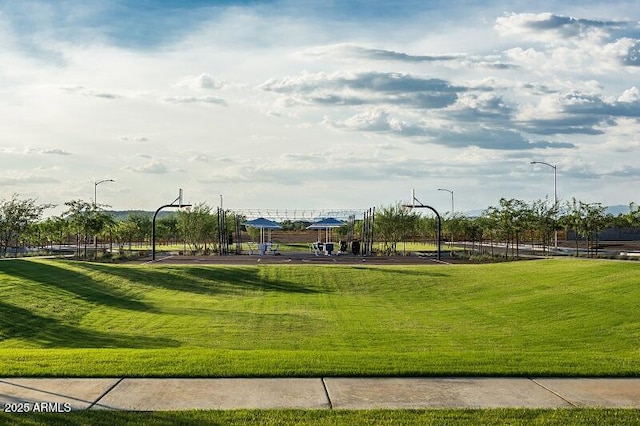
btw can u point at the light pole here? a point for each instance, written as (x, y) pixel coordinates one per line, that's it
(452, 211)
(555, 194)
(95, 190)
(95, 206)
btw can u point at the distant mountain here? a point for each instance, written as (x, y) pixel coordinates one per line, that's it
(124, 214)
(617, 210)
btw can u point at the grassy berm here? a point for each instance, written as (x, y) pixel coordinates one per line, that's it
(559, 317)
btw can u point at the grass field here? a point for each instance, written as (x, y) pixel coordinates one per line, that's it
(337, 417)
(560, 317)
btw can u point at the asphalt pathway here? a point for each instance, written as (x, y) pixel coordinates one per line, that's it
(158, 394)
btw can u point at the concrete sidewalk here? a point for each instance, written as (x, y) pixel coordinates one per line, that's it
(317, 393)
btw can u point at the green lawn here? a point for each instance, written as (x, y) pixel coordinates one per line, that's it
(335, 417)
(546, 317)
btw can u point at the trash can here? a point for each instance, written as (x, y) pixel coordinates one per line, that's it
(328, 248)
(355, 247)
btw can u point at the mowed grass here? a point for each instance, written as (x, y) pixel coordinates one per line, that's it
(618, 417)
(560, 317)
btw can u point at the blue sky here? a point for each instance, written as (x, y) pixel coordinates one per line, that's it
(303, 105)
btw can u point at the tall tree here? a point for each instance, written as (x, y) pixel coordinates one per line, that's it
(394, 224)
(586, 220)
(544, 221)
(143, 225)
(86, 220)
(198, 225)
(16, 216)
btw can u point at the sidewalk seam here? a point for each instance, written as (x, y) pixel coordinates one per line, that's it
(326, 392)
(555, 393)
(93, 404)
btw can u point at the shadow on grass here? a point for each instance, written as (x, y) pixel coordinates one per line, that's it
(17, 322)
(51, 274)
(202, 280)
(395, 270)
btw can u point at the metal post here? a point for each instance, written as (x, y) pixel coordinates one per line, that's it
(555, 195)
(95, 206)
(439, 220)
(153, 226)
(153, 222)
(95, 190)
(452, 211)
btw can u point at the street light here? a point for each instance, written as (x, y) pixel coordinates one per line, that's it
(450, 191)
(95, 190)
(95, 205)
(555, 192)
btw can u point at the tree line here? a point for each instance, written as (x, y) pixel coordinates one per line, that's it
(499, 230)
(88, 226)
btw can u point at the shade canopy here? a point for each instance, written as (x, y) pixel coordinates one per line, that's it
(329, 222)
(263, 223)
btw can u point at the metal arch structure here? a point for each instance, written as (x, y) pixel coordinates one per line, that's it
(304, 215)
(424, 206)
(153, 222)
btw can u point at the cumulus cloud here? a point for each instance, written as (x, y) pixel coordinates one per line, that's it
(194, 100)
(564, 125)
(27, 179)
(575, 112)
(199, 158)
(153, 167)
(360, 88)
(377, 120)
(624, 136)
(55, 151)
(548, 27)
(27, 150)
(550, 85)
(625, 171)
(203, 81)
(633, 55)
(495, 139)
(90, 93)
(627, 105)
(351, 50)
(332, 166)
(479, 107)
(600, 44)
(630, 96)
(134, 138)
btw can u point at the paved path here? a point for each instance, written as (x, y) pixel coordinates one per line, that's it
(316, 393)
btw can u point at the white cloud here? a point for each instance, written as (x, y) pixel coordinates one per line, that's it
(27, 179)
(55, 151)
(548, 27)
(203, 81)
(391, 97)
(624, 137)
(152, 167)
(570, 44)
(377, 120)
(134, 138)
(200, 158)
(630, 96)
(194, 100)
(90, 93)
